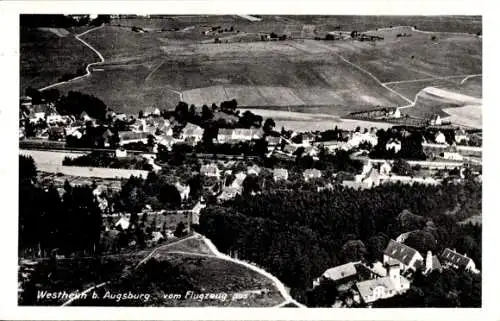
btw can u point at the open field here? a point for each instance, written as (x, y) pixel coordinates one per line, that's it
(46, 55)
(302, 121)
(160, 67)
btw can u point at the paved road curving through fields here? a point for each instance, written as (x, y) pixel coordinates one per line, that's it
(279, 285)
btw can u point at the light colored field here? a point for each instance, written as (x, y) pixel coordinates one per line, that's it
(60, 32)
(470, 116)
(51, 162)
(308, 121)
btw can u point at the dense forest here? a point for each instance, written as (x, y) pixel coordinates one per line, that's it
(298, 234)
(71, 224)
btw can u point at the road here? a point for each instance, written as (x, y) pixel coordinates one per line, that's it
(87, 69)
(279, 285)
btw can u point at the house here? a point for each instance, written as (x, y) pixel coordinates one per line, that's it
(311, 151)
(280, 173)
(440, 138)
(391, 285)
(156, 236)
(385, 169)
(76, 132)
(106, 137)
(393, 144)
(394, 113)
(232, 135)
(138, 125)
(127, 137)
(308, 139)
(450, 258)
(123, 223)
(461, 137)
(120, 152)
(210, 170)
(54, 118)
(311, 173)
(453, 156)
(238, 181)
(192, 133)
(254, 169)
(183, 191)
(273, 141)
(167, 141)
(407, 257)
(85, 117)
(357, 138)
(435, 121)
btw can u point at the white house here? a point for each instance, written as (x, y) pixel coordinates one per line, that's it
(311, 173)
(393, 144)
(436, 120)
(453, 156)
(385, 169)
(440, 138)
(391, 285)
(396, 113)
(280, 173)
(120, 152)
(183, 190)
(123, 222)
(210, 170)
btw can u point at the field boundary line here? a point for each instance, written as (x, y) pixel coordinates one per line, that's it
(87, 68)
(470, 76)
(433, 78)
(422, 31)
(373, 77)
(154, 70)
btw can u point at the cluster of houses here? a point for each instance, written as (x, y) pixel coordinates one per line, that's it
(362, 283)
(374, 175)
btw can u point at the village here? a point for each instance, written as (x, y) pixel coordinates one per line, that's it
(229, 160)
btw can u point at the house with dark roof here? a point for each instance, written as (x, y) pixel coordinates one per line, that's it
(450, 258)
(407, 257)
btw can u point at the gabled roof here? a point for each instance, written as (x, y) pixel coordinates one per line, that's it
(192, 130)
(400, 252)
(455, 258)
(367, 287)
(341, 272)
(312, 172)
(209, 168)
(129, 135)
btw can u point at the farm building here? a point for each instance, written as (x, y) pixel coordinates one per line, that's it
(232, 135)
(451, 258)
(407, 257)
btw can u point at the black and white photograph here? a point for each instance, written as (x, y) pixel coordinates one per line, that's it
(249, 160)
